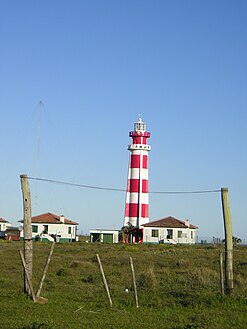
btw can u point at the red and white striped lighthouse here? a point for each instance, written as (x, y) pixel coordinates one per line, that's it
(136, 207)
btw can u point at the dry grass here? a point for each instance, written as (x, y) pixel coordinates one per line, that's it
(178, 287)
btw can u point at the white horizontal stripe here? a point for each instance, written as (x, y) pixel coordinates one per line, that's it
(134, 197)
(133, 221)
(138, 152)
(143, 221)
(144, 198)
(134, 173)
(127, 197)
(144, 174)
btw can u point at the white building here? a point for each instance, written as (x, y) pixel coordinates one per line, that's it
(4, 224)
(169, 230)
(104, 236)
(51, 227)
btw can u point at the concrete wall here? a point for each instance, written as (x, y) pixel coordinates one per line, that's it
(66, 231)
(179, 235)
(101, 234)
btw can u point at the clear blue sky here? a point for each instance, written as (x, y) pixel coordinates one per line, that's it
(95, 65)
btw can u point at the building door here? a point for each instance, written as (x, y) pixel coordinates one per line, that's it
(169, 234)
(107, 238)
(45, 229)
(95, 237)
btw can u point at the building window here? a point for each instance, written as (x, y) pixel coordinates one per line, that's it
(35, 228)
(191, 235)
(155, 233)
(45, 229)
(180, 234)
(69, 230)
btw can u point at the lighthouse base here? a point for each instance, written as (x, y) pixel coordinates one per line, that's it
(131, 234)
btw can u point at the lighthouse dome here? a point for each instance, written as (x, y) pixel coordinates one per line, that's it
(140, 125)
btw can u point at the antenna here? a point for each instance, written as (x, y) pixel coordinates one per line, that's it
(39, 121)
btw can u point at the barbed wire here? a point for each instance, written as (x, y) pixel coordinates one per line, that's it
(118, 189)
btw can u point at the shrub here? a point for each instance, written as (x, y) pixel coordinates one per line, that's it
(74, 264)
(88, 279)
(61, 272)
(147, 279)
(183, 263)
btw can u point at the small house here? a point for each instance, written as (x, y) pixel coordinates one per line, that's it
(104, 236)
(4, 224)
(51, 227)
(12, 233)
(169, 230)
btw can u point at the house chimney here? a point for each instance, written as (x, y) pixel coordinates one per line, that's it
(62, 219)
(187, 222)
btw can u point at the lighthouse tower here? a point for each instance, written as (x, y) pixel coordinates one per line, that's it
(136, 207)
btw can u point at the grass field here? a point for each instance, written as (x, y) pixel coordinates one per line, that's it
(178, 287)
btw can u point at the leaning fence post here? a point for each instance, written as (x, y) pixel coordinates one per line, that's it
(45, 270)
(221, 273)
(228, 241)
(104, 279)
(134, 281)
(27, 276)
(27, 233)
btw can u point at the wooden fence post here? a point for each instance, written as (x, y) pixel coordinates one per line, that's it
(104, 279)
(27, 234)
(221, 273)
(228, 241)
(45, 270)
(134, 281)
(30, 286)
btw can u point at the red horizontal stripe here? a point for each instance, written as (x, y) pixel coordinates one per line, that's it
(127, 210)
(145, 186)
(134, 185)
(145, 162)
(144, 211)
(137, 140)
(135, 161)
(131, 210)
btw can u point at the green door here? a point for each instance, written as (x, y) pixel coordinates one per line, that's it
(107, 238)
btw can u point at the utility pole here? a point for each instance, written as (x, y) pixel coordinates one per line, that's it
(27, 232)
(228, 241)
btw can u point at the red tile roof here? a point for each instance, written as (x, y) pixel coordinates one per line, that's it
(169, 222)
(3, 220)
(50, 218)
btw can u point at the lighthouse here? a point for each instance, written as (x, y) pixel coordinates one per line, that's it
(136, 207)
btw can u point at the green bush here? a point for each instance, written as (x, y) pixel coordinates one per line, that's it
(88, 279)
(61, 272)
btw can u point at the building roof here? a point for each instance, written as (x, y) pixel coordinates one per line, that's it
(3, 220)
(49, 218)
(170, 222)
(13, 228)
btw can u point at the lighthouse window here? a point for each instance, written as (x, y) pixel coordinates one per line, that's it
(140, 126)
(155, 233)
